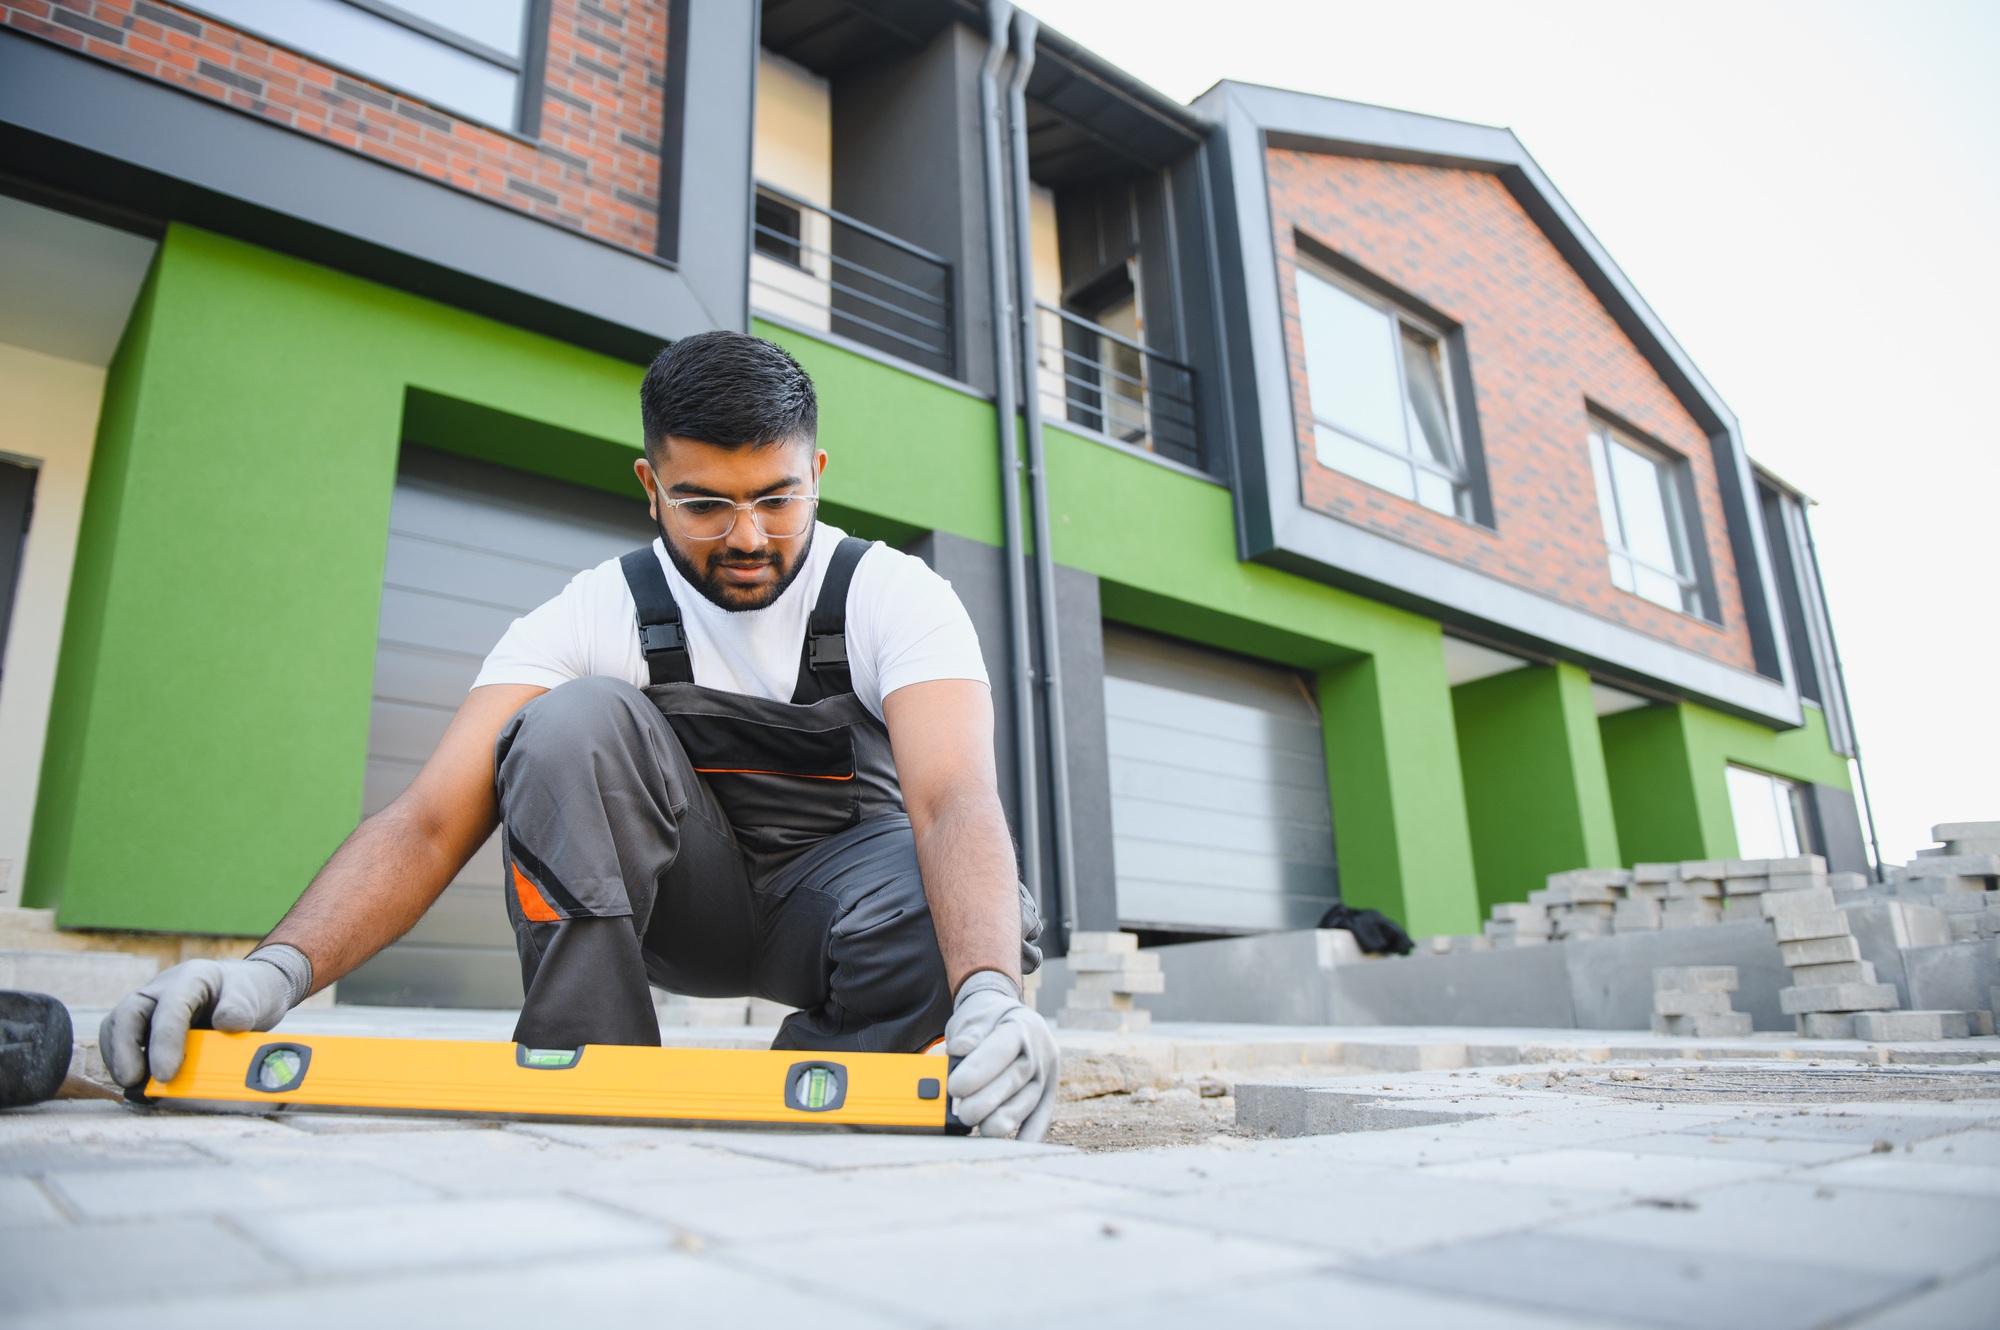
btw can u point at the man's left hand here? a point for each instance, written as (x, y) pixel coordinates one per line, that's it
(1006, 1083)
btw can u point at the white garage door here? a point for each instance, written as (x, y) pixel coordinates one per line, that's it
(1219, 808)
(471, 548)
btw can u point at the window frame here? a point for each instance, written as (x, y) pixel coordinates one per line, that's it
(1798, 812)
(1683, 515)
(1467, 490)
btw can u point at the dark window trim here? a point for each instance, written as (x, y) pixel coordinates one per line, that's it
(673, 133)
(534, 69)
(14, 555)
(1684, 490)
(1458, 364)
(416, 23)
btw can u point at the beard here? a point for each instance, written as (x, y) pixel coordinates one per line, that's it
(739, 599)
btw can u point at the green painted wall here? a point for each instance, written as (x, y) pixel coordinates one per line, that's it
(1536, 791)
(1668, 784)
(211, 715)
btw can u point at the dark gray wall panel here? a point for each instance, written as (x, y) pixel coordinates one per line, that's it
(1838, 823)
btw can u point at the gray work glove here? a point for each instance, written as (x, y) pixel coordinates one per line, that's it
(1007, 1079)
(151, 1025)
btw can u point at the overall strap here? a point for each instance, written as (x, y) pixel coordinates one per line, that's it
(661, 639)
(823, 669)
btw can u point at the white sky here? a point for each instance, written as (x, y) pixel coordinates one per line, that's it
(1808, 194)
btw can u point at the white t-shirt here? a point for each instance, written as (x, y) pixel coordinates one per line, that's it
(904, 625)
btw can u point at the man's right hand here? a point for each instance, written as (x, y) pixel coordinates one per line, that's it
(148, 1030)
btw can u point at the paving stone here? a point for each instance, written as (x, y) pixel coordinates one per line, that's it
(1315, 1302)
(153, 1193)
(1803, 927)
(1966, 1147)
(1861, 1128)
(1706, 1144)
(1798, 863)
(1778, 904)
(1629, 1172)
(35, 1158)
(1695, 978)
(1953, 865)
(868, 1150)
(1082, 1261)
(1127, 962)
(1655, 872)
(1363, 1213)
(71, 1264)
(1835, 972)
(1706, 1025)
(1899, 1172)
(1827, 1024)
(682, 1289)
(1853, 1228)
(1089, 941)
(1911, 1026)
(1820, 951)
(1950, 831)
(1837, 997)
(1675, 1003)
(1714, 1292)
(1695, 888)
(1962, 1304)
(798, 1206)
(23, 1203)
(444, 1233)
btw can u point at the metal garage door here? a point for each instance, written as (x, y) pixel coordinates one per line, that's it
(1219, 808)
(471, 548)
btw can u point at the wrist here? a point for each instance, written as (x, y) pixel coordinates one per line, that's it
(294, 964)
(995, 981)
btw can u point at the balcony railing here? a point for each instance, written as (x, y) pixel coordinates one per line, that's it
(817, 267)
(1108, 384)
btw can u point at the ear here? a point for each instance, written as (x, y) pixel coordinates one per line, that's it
(651, 483)
(819, 465)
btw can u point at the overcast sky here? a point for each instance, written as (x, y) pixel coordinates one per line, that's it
(1809, 196)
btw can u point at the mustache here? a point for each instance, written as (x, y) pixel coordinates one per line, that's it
(738, 559)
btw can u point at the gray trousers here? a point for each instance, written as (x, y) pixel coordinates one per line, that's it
(613, 828)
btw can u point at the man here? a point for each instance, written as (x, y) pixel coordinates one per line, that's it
(753, 757)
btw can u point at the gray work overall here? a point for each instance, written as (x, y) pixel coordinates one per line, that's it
(716, 844)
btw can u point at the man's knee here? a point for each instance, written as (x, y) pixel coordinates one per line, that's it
(581, 715)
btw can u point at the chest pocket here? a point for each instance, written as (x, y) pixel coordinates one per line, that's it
(742, 746)
(782, 785)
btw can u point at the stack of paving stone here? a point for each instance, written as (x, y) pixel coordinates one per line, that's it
(1958, 876)
(1830, 981)
(1109, 969)
(1517, 924)
(1693, 1001)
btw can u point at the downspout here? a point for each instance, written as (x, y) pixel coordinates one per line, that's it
(1025, 30)
(1880, 874)
(999, 13)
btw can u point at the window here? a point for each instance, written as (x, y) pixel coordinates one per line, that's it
(1645, 524)
(1773, 820)
(1381, 401)
(778, 226)
(466, 56)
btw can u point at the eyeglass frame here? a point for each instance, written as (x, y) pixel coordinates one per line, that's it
(738, 509)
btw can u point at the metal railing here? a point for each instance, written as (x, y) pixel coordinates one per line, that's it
(1093, 378)
(821, 268)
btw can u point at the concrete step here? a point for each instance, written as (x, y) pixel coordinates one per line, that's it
(90, 979)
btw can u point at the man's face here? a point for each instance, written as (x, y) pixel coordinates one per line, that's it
(746, 569)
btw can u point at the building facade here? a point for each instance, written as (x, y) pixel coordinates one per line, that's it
(1370, 538)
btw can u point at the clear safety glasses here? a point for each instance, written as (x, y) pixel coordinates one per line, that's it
(777, 516)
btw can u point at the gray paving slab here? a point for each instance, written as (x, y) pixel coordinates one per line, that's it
(83, 1263)
(23, 1203)
(1317, 1302)
(1413, 1146)
(445, 1233)
(657, 1288)
(1925, 1234)
(1855, 1125)
(1705, 1144)
(1711, 1291)
(39, 1157)
(1961, 1304)
(870, 1149)
(1626, 1172)
(1356, 1212)
(153, 1193)
(1901, 1173)
(794, 1206)
(1965, 1147)
(1172, 1172)
(976, 1274)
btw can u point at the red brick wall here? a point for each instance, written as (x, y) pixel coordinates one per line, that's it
(594, 169)
(1539, 344)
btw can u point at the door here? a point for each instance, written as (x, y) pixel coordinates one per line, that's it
(471, 548)
(1219, 810)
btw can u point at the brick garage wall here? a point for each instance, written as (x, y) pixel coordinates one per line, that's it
(1540, 344)
(595, 167)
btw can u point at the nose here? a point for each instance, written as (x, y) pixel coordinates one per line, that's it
(744, 537)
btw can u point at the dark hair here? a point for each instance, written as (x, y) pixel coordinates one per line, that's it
(727, 389)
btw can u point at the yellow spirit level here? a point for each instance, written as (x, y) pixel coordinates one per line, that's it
(903, 1091)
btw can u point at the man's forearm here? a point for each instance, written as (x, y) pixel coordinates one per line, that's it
(967, 859)
(371, 892)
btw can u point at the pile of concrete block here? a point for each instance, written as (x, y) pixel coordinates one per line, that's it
(1830, 981)
(1960, 876)
(1517, 924)
(1109, 970)
(1693, 1001)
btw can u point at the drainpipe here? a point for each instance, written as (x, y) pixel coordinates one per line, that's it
(999, 13)
(1025, 29)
